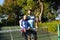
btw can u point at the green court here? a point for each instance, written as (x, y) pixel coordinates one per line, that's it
(16, 35)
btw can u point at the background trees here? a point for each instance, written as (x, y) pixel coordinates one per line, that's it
(44, 9)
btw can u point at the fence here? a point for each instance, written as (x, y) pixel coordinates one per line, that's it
(43, 34)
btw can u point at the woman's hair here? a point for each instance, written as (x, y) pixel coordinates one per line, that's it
(22, 16)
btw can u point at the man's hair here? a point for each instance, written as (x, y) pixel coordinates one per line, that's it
(29, 10)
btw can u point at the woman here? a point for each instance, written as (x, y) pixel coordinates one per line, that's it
(24, 26)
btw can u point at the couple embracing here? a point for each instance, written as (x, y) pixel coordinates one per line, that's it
(27, 24)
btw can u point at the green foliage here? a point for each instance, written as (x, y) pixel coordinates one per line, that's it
(30, 3)
(46, 7)
(1, 24)
(26, 4)
(11, 17)
(47, 11)
(49, 15)
(20, 2)
(14, 7)
(52, 26)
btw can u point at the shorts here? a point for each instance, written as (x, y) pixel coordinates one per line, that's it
(31, 32)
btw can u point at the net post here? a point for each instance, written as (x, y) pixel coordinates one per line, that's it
(58, 32)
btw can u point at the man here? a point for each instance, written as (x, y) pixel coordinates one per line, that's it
(24, 27)
(31, 21)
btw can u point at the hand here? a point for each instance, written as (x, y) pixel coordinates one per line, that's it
(28, 28)
(36, 29)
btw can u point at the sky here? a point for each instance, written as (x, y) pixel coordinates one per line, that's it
(1, 2)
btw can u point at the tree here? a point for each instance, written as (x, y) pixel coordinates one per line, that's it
(27, 4)
(41, 8)
(12, 8)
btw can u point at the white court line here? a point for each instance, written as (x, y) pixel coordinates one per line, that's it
(4, 31)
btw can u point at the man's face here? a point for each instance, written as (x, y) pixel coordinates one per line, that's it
(29, 12)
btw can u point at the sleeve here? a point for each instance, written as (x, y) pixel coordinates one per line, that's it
(28, 17)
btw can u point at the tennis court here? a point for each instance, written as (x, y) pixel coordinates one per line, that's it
(16, 35)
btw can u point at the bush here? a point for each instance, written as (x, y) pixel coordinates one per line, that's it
(52, 26)
(1, 24)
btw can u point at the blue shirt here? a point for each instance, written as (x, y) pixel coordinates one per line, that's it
(24, 24)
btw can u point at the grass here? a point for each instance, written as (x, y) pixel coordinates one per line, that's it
(42, 35)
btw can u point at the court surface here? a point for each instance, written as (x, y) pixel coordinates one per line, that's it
(16, 35)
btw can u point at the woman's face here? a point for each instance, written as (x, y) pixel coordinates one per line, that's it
(24, 17)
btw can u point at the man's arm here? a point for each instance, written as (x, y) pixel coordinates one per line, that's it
(36, 22)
